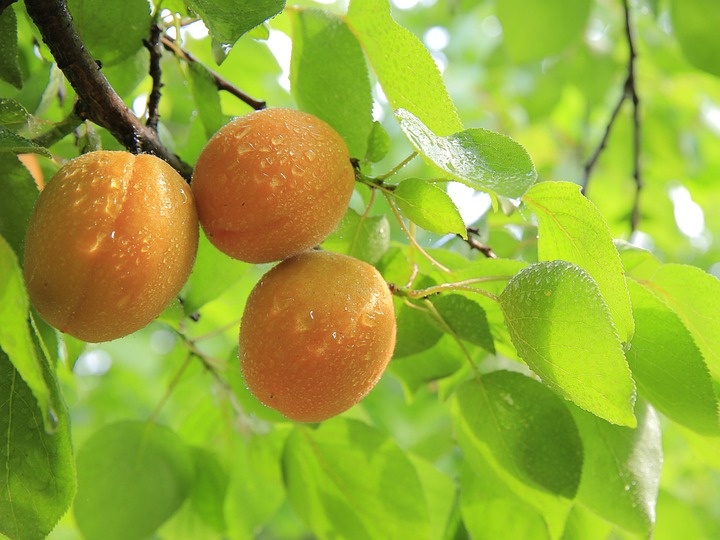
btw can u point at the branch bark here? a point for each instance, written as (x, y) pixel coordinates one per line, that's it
(103, 105)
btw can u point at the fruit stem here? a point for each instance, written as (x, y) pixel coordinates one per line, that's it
(464, 285)
(397, 167)
(171, 387)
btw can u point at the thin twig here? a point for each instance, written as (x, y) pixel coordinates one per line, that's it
(104, 106)
(220, 82)
(474, 243)
(629, 93)
(153, 46)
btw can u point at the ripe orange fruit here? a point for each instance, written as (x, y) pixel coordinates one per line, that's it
(272, 184)
(111, 241)
(317, 333)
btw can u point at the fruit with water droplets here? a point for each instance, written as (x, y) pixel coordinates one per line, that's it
(272, 184)
(317, 333)
(110, 243)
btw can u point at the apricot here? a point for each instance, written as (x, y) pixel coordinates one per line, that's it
(317, 333)
(110, 242)
(272, 184)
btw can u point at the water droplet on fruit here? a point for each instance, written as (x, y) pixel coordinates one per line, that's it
(310, 155)
(277, 139)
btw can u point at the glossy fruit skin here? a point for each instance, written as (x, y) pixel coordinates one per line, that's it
(110, 243)
(272, 184)
(317, 333)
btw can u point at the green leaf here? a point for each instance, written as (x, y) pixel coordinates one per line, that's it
(534, 30)
(209, 488)
(329, 76)
(527, 427)
(132, 476)
(416, 330)
(112, 31)
(227, 20)
(502, 491)
(479, 158)
(407, 72)
(441, 360)
(12, 142)
(364, 237)
(561, 327)
(621, 471)
(13, 115)
(466, 318)
(378, 144)
(571, 228)
(17, 202)
(638, 263)
(38, 479)
(491, 512)
(695, 24)
(9, 67)
(256, 490)
(213, 274)
(347, 480)
(206, 97)
(695, 296)
(669, 370)
(15, 334)
(429, 207)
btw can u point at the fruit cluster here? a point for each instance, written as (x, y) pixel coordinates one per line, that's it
(113, 238)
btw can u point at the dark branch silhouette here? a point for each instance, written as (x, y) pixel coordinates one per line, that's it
(220, 82)
(100, 101)
(155, 50)
(629, 93)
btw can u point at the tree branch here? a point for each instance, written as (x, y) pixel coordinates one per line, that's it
(103, 105)
(220, 82)
(155, 50)
(629, 93)
(473, 241)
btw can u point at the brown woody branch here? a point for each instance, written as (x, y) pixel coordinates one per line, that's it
(629, 93)
(220, 82)
(101, 103)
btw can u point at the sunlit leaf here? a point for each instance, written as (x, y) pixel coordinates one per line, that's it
(408, 74)
(109, 42)
(695, 23)
(527, 427)
(621, 470)
(572, 229)
(132, 476)
(15, 333)
(482, 159)
(695, 296)
(533, 30)
(428, 206)
(556, 316)
(209, 487)
(227, 20)
(321, 474)
(38, 479)
(256, 491)
(9, 67)
(205, 95)
(503, 491)
(329, 76)
(466, 318)
(378, 143)
(213, 273)
(16, 204)
(364, 237)
(669, 370)
(489, 512)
